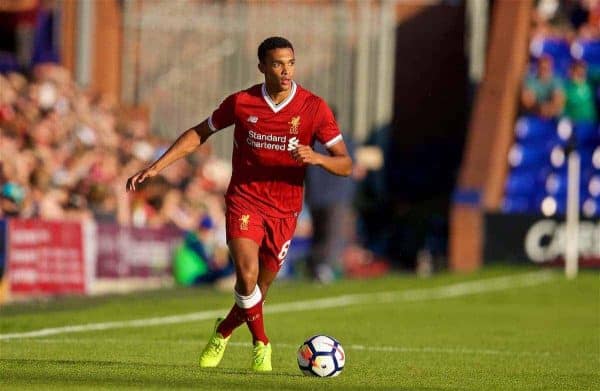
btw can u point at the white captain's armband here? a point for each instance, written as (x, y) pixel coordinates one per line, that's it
(211, 125)
(333, 141)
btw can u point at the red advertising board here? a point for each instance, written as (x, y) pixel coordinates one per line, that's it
(125, 252)
(45, 257)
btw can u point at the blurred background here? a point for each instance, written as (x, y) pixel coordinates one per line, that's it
(460, 115)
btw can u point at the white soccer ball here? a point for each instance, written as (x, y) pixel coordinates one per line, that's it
(322, 356)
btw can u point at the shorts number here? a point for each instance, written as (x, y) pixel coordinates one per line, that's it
(284, 250)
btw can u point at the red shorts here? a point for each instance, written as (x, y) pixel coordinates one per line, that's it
(272, 234)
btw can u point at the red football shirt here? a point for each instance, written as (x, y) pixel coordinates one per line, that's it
(265, 176)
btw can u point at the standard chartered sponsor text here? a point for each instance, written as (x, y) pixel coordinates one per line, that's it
(266, 141)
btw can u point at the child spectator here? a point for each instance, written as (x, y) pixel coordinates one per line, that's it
(579, 104)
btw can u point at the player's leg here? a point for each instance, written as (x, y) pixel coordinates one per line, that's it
(244, 232)
(248, 301)
(318, 250)
(278, 234)
(261, 352)
(265, 279)
(337, 232)
(245, 258)
(244, 252)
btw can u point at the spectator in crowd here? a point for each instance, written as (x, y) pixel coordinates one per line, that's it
(329, 199)
(10, 198)
(18, 21)
(543, 92)
(68, 148)
(211, 247)
(580, 103)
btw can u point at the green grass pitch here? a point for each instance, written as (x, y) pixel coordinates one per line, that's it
(484, 331)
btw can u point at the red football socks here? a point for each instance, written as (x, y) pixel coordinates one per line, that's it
(254, 320)
(232, 321)
(248, 309)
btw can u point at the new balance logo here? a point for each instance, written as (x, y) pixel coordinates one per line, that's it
(293, 143)
(252, 119)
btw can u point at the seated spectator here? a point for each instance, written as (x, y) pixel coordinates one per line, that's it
(11, 195)
(543, 92)
(579, 103)
(203, 258)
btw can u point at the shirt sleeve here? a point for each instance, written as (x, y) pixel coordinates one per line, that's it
(327, 132)
(224, 115)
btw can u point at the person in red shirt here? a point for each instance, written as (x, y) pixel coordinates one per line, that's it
(275, 126)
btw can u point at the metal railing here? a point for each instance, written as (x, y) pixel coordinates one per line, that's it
(182, 58)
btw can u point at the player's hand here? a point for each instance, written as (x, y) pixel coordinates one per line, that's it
(304, 154)
(140, 177)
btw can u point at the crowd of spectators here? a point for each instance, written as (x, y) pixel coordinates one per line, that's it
(66, 152)
(560, 102)
(560, 81)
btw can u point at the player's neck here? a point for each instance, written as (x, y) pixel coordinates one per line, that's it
(277, 96)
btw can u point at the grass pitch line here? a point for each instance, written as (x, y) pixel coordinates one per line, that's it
(424, 349)
(410, 295)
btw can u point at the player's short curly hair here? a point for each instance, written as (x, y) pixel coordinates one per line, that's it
(270, 44)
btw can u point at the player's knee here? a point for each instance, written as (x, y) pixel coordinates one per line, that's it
(245, 283)
(246, 279)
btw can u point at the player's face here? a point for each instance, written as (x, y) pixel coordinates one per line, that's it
(278, 69)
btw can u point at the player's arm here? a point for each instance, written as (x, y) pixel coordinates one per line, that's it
(184, 145)
(338, 162)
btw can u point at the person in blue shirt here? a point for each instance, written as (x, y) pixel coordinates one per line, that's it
(329, 199)
(543, 92)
